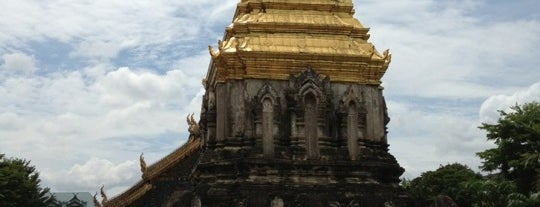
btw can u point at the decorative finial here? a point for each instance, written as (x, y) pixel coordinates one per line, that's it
(213, 53)
(192, 120)
(204, 82)
(188, 121)
(103, 195)
(96, 202)
(387, 57)
(143, 164)
(194, 128)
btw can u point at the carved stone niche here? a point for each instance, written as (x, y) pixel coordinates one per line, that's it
(196, 201)
(309, 94)
(352, 121)
(266, 115)
(180, 198)
(277, 202)
(208, 119)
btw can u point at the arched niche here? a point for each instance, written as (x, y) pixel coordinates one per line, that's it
(308, 101)
(353, 115)
(266, 104)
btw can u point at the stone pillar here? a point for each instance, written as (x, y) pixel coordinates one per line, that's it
(221, 112)
(268, 127)
(311, 127)
(236, 96)
(375, 115)
(352, 130)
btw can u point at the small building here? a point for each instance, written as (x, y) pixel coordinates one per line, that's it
(72, 199)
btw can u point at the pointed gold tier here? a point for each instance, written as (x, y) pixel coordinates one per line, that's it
(273, 39)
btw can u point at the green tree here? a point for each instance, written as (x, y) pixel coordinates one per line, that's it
(445, 181)
(520, 200)
(491, 192)
(19, 184)
(516, 156)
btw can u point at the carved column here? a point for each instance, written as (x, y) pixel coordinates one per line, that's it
(268, 127)
(221, 113)
(352, 130)
(311, 127)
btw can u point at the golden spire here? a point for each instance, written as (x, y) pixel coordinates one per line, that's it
(272, 39)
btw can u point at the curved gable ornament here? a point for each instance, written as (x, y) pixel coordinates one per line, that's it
(309, 75)
(308, 82)
(352, 94)
(267, 91)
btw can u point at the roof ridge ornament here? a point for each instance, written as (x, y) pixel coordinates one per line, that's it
(96, 202)
(387, 57)
(215, 54)
(194, 127)
(103, 195)
(142, 163)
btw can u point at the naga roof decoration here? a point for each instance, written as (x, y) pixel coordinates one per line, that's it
(131, 195)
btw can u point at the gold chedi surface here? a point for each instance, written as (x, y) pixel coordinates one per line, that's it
(273, 39)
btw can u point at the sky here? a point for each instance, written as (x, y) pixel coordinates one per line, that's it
(86, 86)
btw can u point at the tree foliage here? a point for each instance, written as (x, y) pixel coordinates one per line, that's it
(488, 192)
(445, 181)
(514, 162)
(20, 184)
(516, 156)
(520, 200)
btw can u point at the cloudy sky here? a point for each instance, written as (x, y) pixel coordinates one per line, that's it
(87, 85)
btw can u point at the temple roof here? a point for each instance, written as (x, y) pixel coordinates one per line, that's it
(66, 198)
(272, 39)
(153, 171)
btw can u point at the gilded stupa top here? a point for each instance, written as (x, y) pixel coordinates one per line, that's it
(273, 39)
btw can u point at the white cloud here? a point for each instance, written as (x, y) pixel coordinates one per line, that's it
(94, 173)
(443, 50)
(103, 28)
(70, 116)
(422, 140)
(489, 109)
(124, 98)
(18, 62)
(97, 49)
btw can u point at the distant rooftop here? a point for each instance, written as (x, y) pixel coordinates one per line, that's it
(72, 199)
